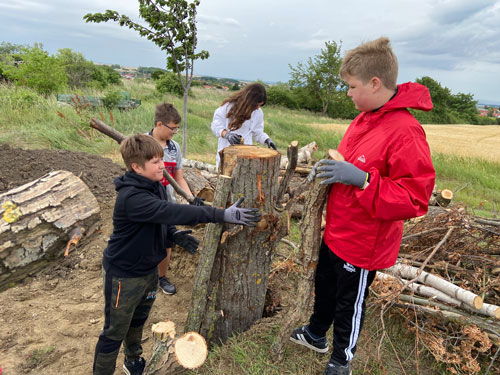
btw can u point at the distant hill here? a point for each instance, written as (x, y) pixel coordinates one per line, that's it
(490, 103)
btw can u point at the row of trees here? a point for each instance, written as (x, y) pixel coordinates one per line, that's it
(34, 67)
(316, 86)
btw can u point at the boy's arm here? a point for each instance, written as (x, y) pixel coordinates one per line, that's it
(405, 192)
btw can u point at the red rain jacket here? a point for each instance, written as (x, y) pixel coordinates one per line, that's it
(364, 227)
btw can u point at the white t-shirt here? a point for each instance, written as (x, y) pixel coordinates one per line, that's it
(252, 128)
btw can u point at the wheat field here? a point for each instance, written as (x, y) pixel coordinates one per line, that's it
(461, 140)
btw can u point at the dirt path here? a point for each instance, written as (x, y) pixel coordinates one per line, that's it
(49, 323)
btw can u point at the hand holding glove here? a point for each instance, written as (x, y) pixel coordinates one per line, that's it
(197, 202)
(232, 138)
(270, 144)
(341, 171)
(184, 240)
(244, 216)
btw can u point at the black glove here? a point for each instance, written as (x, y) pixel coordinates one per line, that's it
(244, 216)
(183, 239)
(270, 143)
(232, 138)
(197, 202)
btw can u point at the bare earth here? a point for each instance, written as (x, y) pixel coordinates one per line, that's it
(49, 323)
(462, 140)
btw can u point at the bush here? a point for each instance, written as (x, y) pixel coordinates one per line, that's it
(23, 98)
(112, 98)
(281, 95)
(169, 84)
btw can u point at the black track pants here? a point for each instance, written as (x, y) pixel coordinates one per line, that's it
(340, 293)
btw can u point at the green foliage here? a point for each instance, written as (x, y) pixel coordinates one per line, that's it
(38, 70)
(78, 69)
(102, 76)
(448, 108)
(235, 87)
(112, 98)
(156, 74)
(168, 83)
(282, 95)
(320, 76)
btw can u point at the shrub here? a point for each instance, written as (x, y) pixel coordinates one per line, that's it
(112, 98)
(281, 94)
(169, 83)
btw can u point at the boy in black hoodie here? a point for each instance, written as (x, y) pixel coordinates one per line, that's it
(142, 221)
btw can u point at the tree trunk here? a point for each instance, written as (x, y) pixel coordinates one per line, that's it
(39, 218)
(237, 287)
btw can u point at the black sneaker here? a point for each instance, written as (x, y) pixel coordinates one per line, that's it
(334, 368)
(166, 286)
(301, 336)
(135, 367)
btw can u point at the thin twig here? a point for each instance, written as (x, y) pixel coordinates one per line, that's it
(410, 236)
(492, 362)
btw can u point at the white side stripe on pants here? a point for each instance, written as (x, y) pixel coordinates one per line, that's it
(356, 318)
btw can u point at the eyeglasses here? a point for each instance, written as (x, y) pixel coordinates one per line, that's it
(174, 130)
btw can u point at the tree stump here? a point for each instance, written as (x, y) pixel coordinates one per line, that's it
(237, 286)
(40, 219)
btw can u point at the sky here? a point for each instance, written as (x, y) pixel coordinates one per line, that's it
(456, 42)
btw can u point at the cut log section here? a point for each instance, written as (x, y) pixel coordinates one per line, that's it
(40, 219)
(200, 187)
(440, 197)
(190, 350)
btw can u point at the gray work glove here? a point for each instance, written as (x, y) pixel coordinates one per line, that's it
(244, 216)
(184, 240)
(232, 138)
(270, 143)
(341, 171)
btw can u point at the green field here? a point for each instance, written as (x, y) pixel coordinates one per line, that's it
(28, 120)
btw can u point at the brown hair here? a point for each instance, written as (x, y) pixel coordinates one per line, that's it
(166, 113)
(139, 148)
(245, 102)
(372, 59)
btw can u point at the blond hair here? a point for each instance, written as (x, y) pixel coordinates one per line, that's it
(166, 113)
(139, 149)
(372, 59)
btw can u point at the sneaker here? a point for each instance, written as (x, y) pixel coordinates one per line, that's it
(334, 368)
(166, 286)
(135, 367)
(301, 336)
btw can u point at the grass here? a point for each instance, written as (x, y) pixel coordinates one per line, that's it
(28, 120)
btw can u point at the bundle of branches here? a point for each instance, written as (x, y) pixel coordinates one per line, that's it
(448, 272)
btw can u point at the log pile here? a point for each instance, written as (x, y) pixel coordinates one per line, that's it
(448, 271)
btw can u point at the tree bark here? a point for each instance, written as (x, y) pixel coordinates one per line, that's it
(37, 219)
(238, 279)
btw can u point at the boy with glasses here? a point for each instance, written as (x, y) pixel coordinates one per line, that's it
(167, 120)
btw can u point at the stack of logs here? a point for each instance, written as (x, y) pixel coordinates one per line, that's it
(449, 269)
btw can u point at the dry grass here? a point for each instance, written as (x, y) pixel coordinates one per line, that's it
(460, 140)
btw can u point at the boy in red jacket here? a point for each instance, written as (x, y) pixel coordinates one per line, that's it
(387, 177)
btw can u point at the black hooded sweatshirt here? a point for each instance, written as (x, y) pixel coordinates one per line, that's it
(142, 218)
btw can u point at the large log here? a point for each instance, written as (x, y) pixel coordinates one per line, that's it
(239, 276)
(309, 255)
(39, 218)
(199, 185)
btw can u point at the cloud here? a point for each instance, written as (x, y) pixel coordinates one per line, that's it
(214, 20)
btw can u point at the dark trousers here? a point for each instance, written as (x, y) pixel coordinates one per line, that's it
(128, 302)
(340, 293)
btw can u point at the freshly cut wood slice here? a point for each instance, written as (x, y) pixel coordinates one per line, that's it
(444, 197)
(335, 155)
(191, 350)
